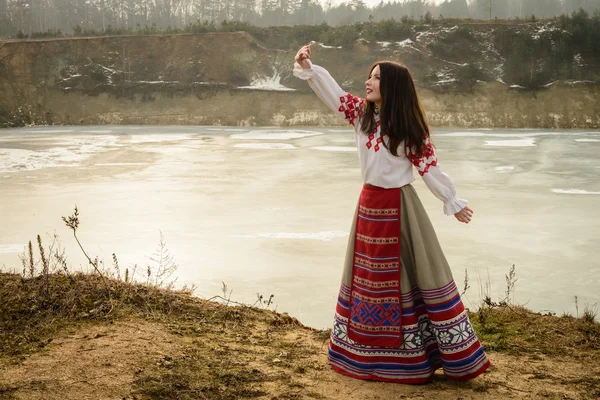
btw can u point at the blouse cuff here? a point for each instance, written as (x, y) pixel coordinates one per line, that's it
(454, 205)
(302, 73)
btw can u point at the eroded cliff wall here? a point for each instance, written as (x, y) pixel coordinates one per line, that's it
(230, 79)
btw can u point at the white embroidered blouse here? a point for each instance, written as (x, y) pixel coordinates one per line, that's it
(378, 166)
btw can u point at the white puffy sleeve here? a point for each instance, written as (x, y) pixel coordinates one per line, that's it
(438, 182)
(326, 88)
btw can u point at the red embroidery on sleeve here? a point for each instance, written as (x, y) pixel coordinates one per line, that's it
(351, 106)
(428, 159)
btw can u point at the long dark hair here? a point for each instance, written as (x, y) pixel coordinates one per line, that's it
(401, 116)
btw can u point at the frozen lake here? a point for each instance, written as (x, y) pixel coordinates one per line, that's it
(268, 210)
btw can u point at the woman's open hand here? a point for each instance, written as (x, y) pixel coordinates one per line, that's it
(464, 215)
(303, 56)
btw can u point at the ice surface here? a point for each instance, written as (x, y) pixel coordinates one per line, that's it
(274, 146)
(511, 143)
(323, 236)
(275, 134)
(12, 248)
(335, 148)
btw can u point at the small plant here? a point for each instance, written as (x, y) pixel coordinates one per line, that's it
(589, 314)
(261, 301)
(31, 264)
(467, 286)
(226, 296)
(163, 266)
(52, 258)
(72, 221)
(116, 265)
(44, 261)
(511, 279)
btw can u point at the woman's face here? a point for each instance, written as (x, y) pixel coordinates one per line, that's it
(372, 84)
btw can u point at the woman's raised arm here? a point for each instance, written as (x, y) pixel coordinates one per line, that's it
(326, 88)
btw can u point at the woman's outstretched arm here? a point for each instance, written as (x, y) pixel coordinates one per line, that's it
(440, 183)
(326, 88)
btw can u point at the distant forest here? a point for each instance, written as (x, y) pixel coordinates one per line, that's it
(39, 18)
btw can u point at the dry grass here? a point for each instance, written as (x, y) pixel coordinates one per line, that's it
(237, 352)
(516, 330)
(219, 362)
(33, 310)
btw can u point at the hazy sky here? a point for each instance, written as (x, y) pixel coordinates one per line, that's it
(371, 3)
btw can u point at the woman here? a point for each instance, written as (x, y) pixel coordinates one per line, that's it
(399, 315)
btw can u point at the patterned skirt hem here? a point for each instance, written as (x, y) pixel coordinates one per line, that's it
(471, 375)
(413, 381)
(408, 381)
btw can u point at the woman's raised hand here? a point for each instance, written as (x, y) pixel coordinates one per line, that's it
(464, 215)
(303, 56)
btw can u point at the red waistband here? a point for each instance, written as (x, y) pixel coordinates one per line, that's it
(373, 188)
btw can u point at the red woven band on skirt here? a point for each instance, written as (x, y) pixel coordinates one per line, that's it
(375, 309)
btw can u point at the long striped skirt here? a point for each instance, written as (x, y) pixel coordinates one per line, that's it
(399, 316)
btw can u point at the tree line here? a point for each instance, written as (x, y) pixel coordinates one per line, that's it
(31, 18)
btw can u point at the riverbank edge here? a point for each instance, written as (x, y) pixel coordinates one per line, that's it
(218, 334)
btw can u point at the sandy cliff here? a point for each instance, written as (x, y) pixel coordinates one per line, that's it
(230, 79)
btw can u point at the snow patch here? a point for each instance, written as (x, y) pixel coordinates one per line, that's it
(511, 143)
(268, 83)
(446, 81)
(572, 191)
(573, 83)
(587, 140)
(504, 168)
(324, 45)
(543, 29)
(74, 151)
(329, 47)
(157, 82)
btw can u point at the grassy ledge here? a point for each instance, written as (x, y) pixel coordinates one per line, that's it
(221, 346)
(236, 352)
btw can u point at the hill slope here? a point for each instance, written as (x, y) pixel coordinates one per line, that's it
(469, 75)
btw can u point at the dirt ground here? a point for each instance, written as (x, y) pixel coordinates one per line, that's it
(274, 358)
